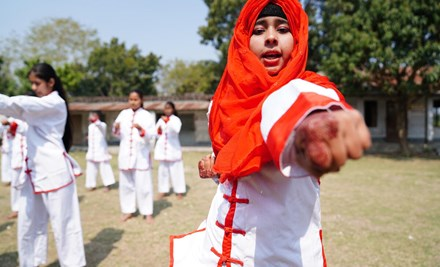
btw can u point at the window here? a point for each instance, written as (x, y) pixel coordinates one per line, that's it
(370, 113)
(436, 113)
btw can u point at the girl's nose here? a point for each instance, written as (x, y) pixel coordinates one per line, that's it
(271, 38)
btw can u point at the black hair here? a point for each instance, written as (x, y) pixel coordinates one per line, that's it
(46, 72)
(98, 113)
(140, 94)
(172, 106)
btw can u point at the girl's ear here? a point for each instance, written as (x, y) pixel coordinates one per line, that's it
(51, 83)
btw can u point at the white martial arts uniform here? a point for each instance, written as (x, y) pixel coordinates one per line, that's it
(135, 181)
(97, 156)
(169, 153)
(48, 184)
(6, 154)
(271, 217)
(18, 156)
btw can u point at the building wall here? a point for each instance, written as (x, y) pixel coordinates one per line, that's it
(194, 127)
(416, 117)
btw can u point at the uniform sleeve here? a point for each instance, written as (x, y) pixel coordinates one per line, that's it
(10, 107)
(115, 132)
(149, 127)
(22, 126)
(28, 108)
(284, 110)
(175, 125)
(102, 126)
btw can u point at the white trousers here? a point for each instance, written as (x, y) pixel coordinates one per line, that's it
(136, 187)
(62, 208)
(15, 193)
(105, 169)
(6, 168)
(175, 171)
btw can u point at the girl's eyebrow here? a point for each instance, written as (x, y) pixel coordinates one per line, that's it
(278, 21)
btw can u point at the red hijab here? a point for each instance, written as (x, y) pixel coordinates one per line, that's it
(234, 123)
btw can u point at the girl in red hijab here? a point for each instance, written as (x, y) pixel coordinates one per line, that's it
(275, 130)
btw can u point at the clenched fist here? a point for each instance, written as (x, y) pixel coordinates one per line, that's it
(325, 140)
(205, 167)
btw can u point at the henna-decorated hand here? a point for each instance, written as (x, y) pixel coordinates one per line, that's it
(325, 140)
(205, 167)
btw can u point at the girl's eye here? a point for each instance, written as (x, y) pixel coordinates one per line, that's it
(258, 31)
(283, 30)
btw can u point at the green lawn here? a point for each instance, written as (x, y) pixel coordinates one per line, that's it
(375, 212)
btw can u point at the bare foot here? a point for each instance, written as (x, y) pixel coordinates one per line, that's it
(91, 189)
(107, 189)
(179, 196)
(161, 196)
(126, 217)
(13, 215)
(149, 219)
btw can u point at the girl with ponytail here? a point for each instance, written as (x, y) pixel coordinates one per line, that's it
(47, 183)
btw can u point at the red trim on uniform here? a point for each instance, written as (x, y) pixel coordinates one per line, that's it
(233, 199)
(142, 133)
(225, 256)
(281, 130)
(226, 260)
(13, 128)
(323, 254)
(172, 237)
(230, 230)
(52, 190)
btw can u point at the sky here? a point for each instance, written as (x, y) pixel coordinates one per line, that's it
(167, 28)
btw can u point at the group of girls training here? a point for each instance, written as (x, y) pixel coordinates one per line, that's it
(43, 179)
(275, 130)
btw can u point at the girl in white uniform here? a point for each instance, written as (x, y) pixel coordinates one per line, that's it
(135, 128)
(48, 182)
(97, 154)
(6, 152)
(17, 129)
(275, 130)
(169, 153)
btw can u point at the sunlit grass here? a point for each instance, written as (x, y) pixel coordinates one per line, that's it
(376, 212)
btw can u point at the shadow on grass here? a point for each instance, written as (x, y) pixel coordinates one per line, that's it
(160, 205)
(5, 226)
(99, 247)
(9, 259)
(400, 157)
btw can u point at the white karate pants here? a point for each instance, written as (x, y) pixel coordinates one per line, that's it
(15, 193)
(6, 168)
(62, 208)
(105, 169)
(136, 187)
(175, 171)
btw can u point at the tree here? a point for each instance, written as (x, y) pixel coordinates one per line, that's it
(24, 86)
(7, 84)
(392, 47)
(114, 70)
(56, 40)
(75, 82)
(221, 20)
(180, 77)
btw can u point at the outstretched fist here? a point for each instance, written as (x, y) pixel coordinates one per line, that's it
(325, 140)
(206, 165)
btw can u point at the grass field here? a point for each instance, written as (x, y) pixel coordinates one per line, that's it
(376, 212)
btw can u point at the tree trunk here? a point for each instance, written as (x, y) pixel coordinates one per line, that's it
(402, 124)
